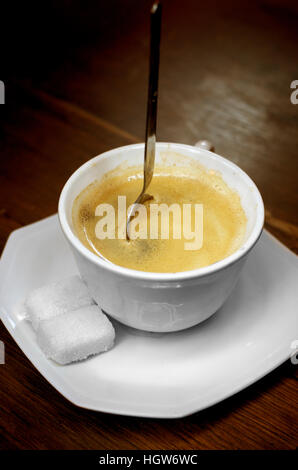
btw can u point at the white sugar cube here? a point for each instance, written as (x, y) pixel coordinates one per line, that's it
(57, 298)
(76, 335)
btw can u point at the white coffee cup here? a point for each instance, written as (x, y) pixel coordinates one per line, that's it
(161, 302)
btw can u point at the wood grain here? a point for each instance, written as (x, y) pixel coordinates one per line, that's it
(79, 90)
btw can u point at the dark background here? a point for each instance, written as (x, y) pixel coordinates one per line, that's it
(76, 82)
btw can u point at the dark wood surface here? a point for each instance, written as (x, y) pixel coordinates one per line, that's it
(75, 87)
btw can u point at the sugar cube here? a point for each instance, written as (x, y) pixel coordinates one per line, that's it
(76, 335)
(57, 298)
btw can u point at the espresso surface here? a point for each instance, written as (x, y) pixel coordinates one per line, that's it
(224, 221)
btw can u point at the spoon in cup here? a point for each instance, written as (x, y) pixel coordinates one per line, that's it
(149, 155)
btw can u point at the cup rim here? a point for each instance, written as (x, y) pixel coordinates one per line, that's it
(156, 276)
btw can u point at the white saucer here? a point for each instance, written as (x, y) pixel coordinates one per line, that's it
(160, 375)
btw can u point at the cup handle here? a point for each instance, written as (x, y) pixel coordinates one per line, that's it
(205, 144)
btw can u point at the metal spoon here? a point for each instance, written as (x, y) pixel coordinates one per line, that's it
(149, 156)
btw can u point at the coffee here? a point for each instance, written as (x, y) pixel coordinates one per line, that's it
(221, 219)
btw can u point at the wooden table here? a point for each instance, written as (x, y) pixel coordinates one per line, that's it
(76, 86)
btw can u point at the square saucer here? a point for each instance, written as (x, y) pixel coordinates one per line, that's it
(165, 375)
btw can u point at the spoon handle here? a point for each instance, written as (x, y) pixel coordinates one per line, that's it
(155, 30)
